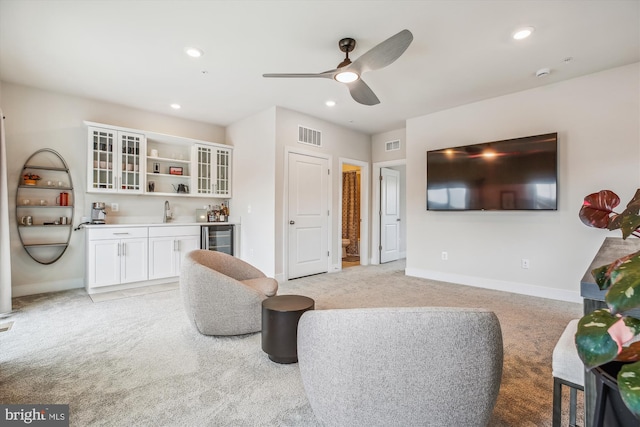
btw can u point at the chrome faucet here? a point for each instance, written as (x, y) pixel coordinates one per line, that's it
(167, 212)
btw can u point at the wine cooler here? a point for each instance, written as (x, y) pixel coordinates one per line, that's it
(218, 238)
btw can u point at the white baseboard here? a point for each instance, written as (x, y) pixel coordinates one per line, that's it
(43, 287)
(498, 285)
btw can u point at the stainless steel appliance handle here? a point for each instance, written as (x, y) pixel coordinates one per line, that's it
(204, 243)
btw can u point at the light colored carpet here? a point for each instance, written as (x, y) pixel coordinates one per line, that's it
(127, 293)
(137, 361)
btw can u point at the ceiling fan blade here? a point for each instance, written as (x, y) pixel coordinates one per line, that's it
(326, 74)
(362, 93)
(384, 53)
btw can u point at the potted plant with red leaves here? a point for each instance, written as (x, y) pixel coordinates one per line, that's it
(607, 335)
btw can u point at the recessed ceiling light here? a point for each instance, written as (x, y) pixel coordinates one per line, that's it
(193, 52)
(330, 103)
(176, 106)
(522, 33)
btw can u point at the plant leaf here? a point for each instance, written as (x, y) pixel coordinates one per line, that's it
(624, 278)
(597, 208)
(629, 220)
(631, 353)
(593, 342)
(629, 386)
(602, 275)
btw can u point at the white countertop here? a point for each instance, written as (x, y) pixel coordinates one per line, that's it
(161, 224)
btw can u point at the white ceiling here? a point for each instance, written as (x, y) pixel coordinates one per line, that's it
(132, 52)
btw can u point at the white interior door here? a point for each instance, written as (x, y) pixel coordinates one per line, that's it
(389, 215)
(308, 215)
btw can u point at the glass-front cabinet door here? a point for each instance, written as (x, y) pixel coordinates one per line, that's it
(101, 175)
(222, 184)
(131, 145)
(114, 161)
(204, 164)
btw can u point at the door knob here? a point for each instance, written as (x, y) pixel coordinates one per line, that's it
(292, 222)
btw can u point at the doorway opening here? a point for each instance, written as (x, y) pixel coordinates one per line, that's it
(351, 215)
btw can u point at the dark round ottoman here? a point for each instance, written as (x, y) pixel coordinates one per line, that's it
(280, 316)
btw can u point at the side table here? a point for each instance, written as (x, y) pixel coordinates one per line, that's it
(280, 316)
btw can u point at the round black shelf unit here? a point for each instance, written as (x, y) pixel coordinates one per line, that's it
(44, 161)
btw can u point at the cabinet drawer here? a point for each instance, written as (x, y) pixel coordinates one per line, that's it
(117, 233)
(174, 230)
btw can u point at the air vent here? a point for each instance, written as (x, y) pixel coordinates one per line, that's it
(309, 136)
(392, 145)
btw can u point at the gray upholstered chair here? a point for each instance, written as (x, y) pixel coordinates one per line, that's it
(401, 366)
(222, 294)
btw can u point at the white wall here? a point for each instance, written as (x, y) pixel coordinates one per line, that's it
(597, 118)
(337, 142)
(254, 187)
(38, 119)
(378, 141)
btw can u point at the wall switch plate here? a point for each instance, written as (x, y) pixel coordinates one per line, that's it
(115, 207)
(444, 256)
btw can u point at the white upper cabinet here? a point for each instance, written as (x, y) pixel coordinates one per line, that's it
(140, 162)
(213, 170)
(114, 163)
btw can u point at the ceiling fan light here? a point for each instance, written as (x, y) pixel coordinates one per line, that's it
(347, 77)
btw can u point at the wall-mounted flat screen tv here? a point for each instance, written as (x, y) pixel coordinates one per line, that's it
(514, 174)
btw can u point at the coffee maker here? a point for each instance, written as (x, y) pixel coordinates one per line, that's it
(98, 213)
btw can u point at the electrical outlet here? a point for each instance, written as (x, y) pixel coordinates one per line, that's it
(444, 256)
(524, 263)
(115, 207)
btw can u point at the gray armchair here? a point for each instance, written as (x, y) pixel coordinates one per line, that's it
(401, 366)
(222, 294)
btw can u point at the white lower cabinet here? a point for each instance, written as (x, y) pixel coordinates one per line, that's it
(167, 248)
(121, 255)
(116, 256)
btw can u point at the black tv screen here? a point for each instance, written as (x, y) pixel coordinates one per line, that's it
(514, 174)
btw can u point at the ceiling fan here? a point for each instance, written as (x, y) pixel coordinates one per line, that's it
(350, 73)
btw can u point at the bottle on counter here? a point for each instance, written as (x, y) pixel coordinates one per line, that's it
(223, 216)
